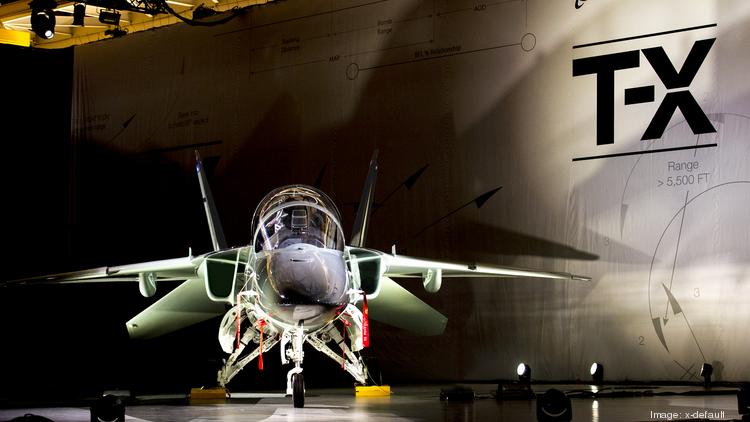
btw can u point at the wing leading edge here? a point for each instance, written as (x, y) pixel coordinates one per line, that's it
(186, 305)
(392, 304)
(404, 266)
(168, 269)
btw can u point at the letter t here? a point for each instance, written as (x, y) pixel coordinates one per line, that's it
(605, 67)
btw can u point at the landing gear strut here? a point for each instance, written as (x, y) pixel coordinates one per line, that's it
(291, 350)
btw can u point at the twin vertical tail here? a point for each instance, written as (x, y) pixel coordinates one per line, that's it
(359, 233)
(214, 224)
(362, 221)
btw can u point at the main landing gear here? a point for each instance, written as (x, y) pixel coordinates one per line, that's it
(292, 339)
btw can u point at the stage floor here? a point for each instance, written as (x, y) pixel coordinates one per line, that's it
(412, 403)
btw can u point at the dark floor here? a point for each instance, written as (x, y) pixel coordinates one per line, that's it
(615, 403)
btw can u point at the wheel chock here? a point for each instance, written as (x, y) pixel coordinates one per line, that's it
(202, 394)
(372, 391)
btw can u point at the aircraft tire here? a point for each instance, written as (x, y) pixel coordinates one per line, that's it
(298, 390)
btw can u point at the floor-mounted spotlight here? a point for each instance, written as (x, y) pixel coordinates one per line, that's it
(743, 400)
(109, 17)
(706, 371)
(108, 408)
(79, 14)
(524, 373)
(597, 372)
(553, 405)
(43, 18)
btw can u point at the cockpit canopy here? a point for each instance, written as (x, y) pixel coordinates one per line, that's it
(297, 214)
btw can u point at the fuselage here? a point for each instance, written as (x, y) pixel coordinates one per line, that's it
(298, 265)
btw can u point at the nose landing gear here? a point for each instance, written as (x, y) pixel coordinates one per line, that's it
(295, 381)
(298, 393)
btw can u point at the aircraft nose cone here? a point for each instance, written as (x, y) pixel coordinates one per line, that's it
(306, 275)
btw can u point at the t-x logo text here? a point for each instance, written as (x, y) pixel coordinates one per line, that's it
(676, 82)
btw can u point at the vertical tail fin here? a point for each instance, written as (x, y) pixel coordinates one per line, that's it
(361, 222)
(214, 224)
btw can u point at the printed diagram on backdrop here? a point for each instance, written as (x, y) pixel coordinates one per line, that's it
(685, 209)
(402, 32)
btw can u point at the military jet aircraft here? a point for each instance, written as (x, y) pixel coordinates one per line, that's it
(297, 281)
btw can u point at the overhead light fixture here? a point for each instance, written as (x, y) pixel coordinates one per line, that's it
(115, 32)
(79, 14)
(109, 17)
(524, 373)
(202, 12)
(43, 18)
(597, 372)
(706, 371)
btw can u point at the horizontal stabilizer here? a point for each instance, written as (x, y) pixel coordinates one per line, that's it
(186, 305)
(396, 306)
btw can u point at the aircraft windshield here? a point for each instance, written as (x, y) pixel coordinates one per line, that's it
(297, 214)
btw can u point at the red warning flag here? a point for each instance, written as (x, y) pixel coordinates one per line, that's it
(237, 321)
(262, 324)
(365, 322)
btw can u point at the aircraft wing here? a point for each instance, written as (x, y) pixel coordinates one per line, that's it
(185, 305)
(171, 269)
(404, 266)
(392, 304)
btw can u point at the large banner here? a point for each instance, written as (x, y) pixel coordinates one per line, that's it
(601, 137)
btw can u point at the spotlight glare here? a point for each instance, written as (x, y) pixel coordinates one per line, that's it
(521, 369)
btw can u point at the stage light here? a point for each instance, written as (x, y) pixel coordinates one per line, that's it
(108, 408)
(597, 372)
(202, 12)
(743, 400)
(524, 372)
(553, 405)
(79, 14)
(115, 32)
(109, 17)
(457, 393)
(706, 371)
(43, 18)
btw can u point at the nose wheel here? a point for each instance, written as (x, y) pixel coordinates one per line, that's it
(298, 390)
(295, 381)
